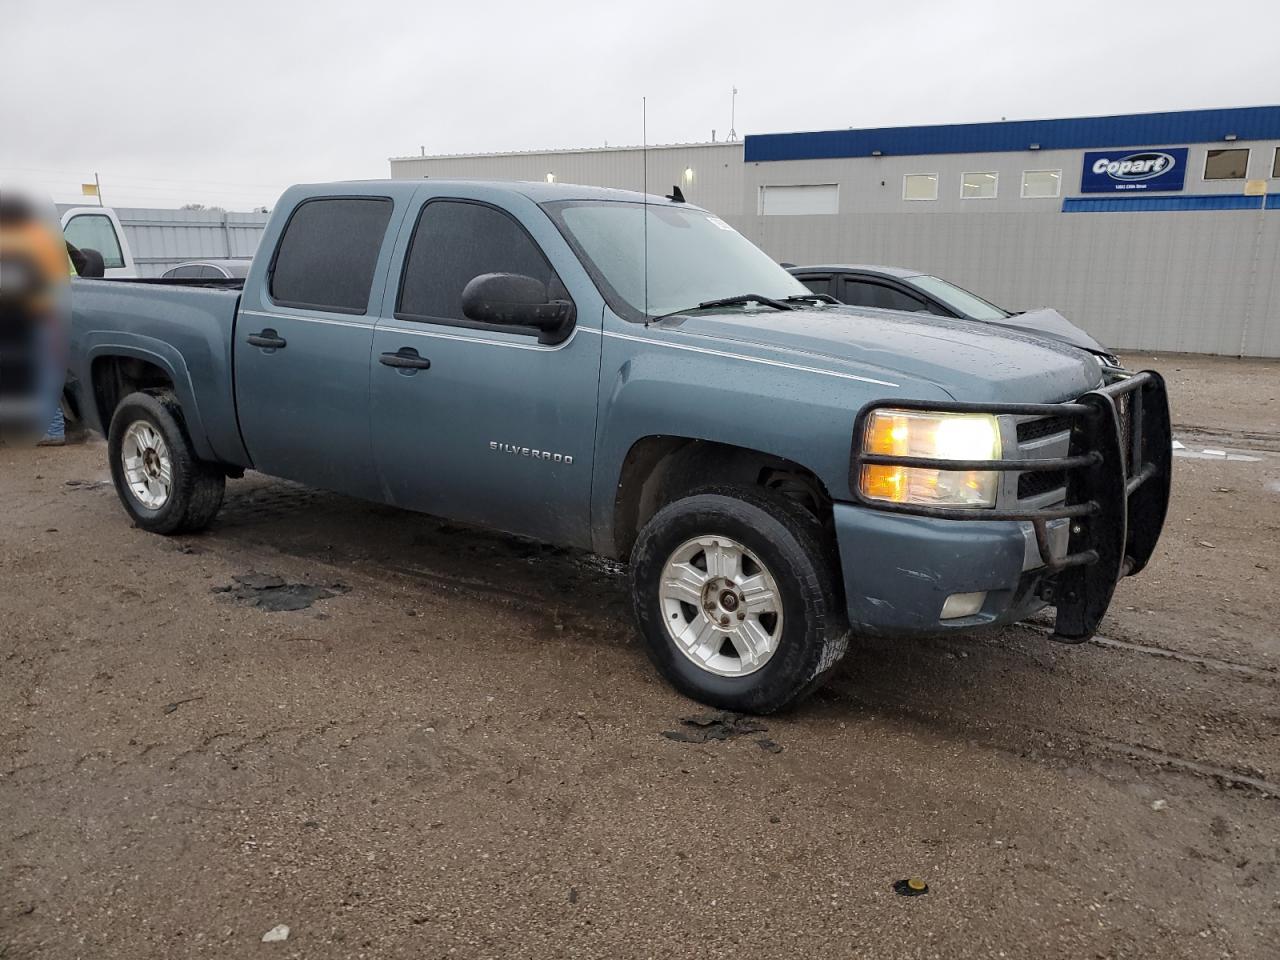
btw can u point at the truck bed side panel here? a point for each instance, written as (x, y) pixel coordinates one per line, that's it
(185, 331)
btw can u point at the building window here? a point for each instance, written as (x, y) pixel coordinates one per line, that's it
(799, 200)
(1275, 166)
(920, 186)
(1041, 184)
(978, 186)
(1226, 164)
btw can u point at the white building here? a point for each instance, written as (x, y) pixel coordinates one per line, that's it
(1152, 231)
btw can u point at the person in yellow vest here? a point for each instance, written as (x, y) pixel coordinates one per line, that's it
(37, 266)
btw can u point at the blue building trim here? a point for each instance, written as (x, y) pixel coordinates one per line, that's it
(1130, 130)
(1133, 204)
(1273, 201)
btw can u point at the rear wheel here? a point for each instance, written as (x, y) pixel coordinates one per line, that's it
(160, 481)
(734, 591)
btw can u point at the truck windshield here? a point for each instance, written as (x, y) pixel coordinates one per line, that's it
(693, 257)
(961, 301)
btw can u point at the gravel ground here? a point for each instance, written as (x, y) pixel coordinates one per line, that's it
(457, 748)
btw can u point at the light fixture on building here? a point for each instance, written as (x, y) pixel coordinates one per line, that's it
(688, 174)
(876, 153)
(1229, 136)
(551, 178)
(1034, 146)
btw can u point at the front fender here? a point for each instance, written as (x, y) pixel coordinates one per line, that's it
(784, 409)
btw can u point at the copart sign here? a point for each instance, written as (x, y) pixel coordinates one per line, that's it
(1106, 171)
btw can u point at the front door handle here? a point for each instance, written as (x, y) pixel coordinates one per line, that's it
(268, 339)
(406, 358)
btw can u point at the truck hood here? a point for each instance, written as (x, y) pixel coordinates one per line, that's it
(1051, 324)
(905, 351)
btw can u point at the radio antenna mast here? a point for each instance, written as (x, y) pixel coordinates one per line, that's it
(644, 203)
(733, 114)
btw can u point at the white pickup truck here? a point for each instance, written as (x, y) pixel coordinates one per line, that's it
(98, 228)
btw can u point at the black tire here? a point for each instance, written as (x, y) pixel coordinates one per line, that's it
(196, 488)
(791, 544)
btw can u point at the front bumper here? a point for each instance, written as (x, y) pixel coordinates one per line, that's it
(900, 570)
(902, 561)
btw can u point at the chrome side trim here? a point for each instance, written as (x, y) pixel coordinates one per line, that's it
(325, 320)
(441, 335)
(648, 341)
(739, 356)
(375, 322)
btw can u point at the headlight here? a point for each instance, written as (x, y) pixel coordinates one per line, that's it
(936, 436)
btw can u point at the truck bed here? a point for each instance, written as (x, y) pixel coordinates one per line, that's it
(183, 327)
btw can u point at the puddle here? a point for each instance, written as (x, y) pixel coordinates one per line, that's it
(268, 592)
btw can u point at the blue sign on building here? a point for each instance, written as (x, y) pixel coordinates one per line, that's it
(1106, 171)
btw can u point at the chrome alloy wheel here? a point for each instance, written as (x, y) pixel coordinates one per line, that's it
(148, 468)
(721, 606)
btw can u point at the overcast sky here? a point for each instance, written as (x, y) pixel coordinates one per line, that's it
(227, 103)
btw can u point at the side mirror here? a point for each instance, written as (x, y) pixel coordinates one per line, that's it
(94, 266)
(87, 261)
(513, 299)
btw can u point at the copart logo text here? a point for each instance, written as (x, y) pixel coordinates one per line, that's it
(1135, 166)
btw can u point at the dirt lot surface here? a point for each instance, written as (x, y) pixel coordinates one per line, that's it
(459, 751)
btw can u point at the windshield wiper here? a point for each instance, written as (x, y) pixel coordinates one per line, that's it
(725, 302)
(746, 298)
(807, 297)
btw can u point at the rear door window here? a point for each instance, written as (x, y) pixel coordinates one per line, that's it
(327, 255)
(96, 232)
(456, 241)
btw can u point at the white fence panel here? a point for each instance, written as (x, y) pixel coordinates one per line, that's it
(161, 238)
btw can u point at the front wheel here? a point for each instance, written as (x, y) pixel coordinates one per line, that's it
(159, 480)
(734, 592)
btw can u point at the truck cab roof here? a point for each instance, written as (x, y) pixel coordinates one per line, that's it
(536, 190)
(902, 273)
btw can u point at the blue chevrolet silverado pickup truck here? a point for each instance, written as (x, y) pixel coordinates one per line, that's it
(627, 374)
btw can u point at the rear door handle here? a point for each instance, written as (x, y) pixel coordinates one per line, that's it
(406, 358)
(269, 339)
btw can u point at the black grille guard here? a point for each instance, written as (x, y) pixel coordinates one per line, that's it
(1117, 490)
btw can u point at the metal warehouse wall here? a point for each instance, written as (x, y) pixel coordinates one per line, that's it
(162, 238)
(1184, 281)
(717, 169)
(1200, 281)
